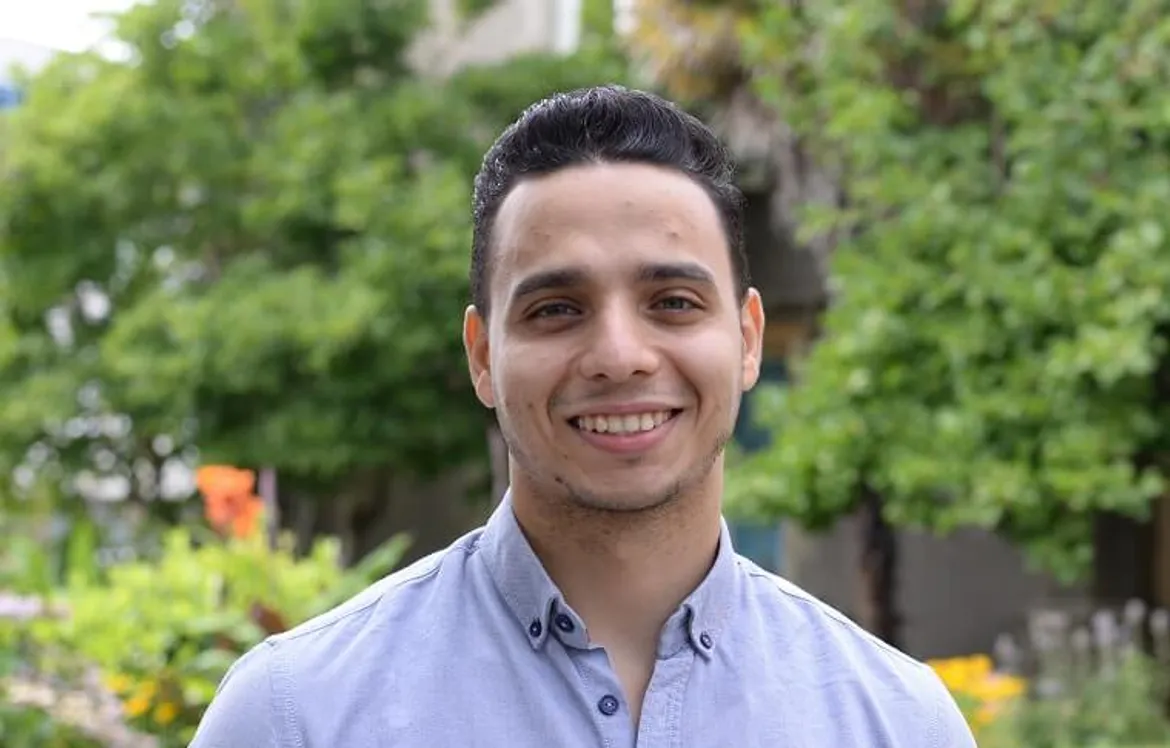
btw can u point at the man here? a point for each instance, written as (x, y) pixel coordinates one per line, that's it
(613, 331)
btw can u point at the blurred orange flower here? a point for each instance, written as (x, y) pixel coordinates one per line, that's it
(229, 501)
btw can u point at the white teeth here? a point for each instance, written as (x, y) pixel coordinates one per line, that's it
(632, 423)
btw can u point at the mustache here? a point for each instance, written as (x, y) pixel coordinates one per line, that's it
(616, 396)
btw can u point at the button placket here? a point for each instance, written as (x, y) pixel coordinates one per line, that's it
(601, 694)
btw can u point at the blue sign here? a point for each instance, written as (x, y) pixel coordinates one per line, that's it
(10, 95)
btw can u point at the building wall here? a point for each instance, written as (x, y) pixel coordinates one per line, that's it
(955, 594)
(511, 27)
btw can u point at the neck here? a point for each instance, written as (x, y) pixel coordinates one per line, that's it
(624, 573)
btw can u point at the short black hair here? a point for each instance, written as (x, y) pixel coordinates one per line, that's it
(603, 124)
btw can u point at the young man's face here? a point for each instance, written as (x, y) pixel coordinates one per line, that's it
(616, 352)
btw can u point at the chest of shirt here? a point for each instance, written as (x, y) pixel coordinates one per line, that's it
(570, 698)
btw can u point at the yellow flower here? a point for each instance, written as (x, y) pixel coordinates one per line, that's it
(962, 673)
(148, 689)
(979, 666)
(981, 692)
(166, 712)
(137, 706)
(999, 688)
(118, 683)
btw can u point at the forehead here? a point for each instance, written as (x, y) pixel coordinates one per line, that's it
(606, 220)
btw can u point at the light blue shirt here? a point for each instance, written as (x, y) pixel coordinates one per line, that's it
(474, 646)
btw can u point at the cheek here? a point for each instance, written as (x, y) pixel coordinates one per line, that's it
(522, 381)
(713, 366)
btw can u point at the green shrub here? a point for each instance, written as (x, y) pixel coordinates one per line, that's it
(1119, 708)
(1099, 683)
(162, 632)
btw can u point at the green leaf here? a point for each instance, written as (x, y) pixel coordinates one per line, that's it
(997, 354)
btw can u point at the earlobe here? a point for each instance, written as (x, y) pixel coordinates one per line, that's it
(751, 321)
(475, 343)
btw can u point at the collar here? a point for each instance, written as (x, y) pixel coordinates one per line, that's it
(541, 611)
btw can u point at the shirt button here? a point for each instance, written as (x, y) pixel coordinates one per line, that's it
(535, 628)
(564, 623)
(608, 705)
(705, 640)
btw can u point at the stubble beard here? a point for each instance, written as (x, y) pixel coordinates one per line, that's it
(583, 502)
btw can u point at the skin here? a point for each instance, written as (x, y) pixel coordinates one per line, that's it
(612, 288)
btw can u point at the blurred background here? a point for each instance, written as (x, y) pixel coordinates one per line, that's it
(234, 238)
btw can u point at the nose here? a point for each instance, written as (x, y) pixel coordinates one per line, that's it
(620, 347)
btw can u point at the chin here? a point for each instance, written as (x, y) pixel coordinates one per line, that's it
(623, 499)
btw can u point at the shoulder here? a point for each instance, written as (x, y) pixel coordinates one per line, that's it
(388, 598)
(831, 633)
(255, 702)
(829, 648)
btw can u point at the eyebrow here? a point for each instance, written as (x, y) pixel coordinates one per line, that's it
(688, 271)
(649, 273)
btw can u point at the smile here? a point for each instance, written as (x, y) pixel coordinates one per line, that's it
(625, 423)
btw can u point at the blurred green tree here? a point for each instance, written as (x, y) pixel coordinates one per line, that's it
(242, 237)
(996, 353)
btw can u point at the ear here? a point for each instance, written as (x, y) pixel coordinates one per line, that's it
(751, 325)
(475, 342)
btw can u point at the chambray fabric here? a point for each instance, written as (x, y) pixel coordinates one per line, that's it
(474, 646)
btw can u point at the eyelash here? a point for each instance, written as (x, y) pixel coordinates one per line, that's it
(690, 304)
(544, 311)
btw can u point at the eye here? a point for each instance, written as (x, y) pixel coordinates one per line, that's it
(555, 309)
(676, 304)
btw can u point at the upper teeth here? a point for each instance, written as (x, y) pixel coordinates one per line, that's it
(631, 423)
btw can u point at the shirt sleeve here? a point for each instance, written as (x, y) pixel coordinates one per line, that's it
(953, 730)
(242, 714)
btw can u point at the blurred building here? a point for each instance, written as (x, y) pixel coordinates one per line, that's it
(18, 54)
(507, 28)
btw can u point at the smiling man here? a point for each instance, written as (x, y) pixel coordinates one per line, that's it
(613, 332)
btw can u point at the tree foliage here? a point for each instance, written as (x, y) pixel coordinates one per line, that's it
(248, 233)
(691, 49)
(996, 355)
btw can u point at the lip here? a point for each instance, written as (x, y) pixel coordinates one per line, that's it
(621, 409)
(629, 444)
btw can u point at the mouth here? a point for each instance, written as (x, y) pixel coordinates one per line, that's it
(624, 424)
(625, 432)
